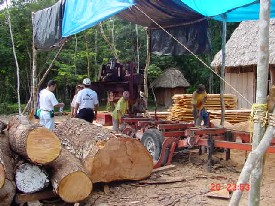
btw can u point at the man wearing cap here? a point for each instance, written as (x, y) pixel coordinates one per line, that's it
(86, 103)
(199, 98)
(120, 110)
(47, 102)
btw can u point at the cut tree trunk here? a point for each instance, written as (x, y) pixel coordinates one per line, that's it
(32, 141)
(69, 178)
(119, 159)
(106, 157)
(31, 178)
(7, 187)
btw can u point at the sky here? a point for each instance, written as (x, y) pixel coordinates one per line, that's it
(3, 3)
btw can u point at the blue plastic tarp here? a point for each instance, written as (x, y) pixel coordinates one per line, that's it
(80, 15)
(235, 10)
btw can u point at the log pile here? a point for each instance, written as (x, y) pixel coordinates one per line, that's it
(105, 157)
(7, 184)
(181, 110)
(67, 160)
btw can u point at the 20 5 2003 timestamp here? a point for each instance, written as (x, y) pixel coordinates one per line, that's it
(229, 187)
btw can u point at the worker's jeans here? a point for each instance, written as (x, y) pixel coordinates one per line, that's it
(203, 115)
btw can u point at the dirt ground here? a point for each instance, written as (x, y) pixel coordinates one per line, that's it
(192, 190)
(190, 168)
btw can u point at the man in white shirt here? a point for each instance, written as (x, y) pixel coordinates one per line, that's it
(86, 103)
(47, 102)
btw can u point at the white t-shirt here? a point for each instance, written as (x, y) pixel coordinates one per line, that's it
(73, 101)
(47, 100)
(86, 98)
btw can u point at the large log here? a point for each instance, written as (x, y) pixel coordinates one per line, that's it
(7, 188)
(33, 141)
(106, 157)
(69, 178)
(3, 126)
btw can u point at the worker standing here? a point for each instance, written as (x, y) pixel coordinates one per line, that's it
(73, 103)
(47, 102)
(140, 105)
(86, 103)
(199, 98)
(120, 110)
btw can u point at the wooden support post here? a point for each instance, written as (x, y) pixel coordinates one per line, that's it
(210, 148)
(228, 136)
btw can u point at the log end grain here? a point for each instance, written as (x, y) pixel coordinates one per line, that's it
(31, 178)
(43, 146)
(2, 175)
(75, 187)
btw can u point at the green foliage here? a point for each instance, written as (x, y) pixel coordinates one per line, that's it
(153, 72)
(6, 108)
(84, 53)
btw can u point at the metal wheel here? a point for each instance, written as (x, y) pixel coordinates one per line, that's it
(152, 139)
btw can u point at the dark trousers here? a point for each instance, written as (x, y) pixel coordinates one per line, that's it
(86, 114)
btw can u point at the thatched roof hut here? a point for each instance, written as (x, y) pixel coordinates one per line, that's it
(171, 78)
(171, 82)
(242, 47)
(241, 61)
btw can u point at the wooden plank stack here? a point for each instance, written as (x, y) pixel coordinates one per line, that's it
(232, 116)
(181, 110)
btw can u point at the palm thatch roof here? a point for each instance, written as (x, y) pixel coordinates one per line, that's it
(242, 47)
(171, 78)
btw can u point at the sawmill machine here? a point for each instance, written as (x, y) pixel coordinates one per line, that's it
(114, 78)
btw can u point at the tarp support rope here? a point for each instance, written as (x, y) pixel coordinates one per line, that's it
(196, 56)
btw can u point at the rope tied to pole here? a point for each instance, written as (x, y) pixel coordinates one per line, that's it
(271, 119)
(259, 114)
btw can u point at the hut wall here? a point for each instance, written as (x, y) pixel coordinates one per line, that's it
(245, 83)
(164, 95)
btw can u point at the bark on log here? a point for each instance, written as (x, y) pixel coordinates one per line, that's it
(69, 178)
(33, 141)
(7, 189)
(105, 157)
(31, 178)
(3, 126)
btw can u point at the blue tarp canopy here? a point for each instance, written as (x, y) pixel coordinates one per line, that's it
(235, 10)
(185, 19)
(80, 15)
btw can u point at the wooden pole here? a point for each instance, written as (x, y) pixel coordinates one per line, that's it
(34, 73)
(16, 62)
(148, 59)
(261, 138)
(137, 49)
(261, 97)
(223, 69)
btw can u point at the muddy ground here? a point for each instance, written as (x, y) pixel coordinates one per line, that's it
(193, 184)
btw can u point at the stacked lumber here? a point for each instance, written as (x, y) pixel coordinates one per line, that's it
(232, 116)
(66, 161)
(181, 110)
(160, 115)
